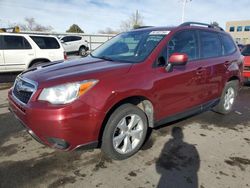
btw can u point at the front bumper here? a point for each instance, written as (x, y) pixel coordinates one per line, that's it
(64, 127)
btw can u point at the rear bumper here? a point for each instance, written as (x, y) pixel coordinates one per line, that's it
(246, 74)
(65, 127)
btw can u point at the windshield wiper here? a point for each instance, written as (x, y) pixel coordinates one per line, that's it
(102, 57)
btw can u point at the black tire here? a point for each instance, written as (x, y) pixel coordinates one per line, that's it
(37, 64)
(83, 51)
(110, 130)
(220, 108)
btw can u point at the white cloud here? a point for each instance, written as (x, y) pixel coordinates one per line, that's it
(94, 15)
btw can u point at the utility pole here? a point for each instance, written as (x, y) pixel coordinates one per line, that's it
(136, 17)
(184, 2)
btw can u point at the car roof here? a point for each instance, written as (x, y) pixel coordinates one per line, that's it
(25, 34)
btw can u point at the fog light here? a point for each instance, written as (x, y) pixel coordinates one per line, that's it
(58, 143)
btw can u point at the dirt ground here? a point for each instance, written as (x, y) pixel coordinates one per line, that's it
(206, 151)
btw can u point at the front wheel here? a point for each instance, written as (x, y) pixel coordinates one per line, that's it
(228, 97)
(125, 132)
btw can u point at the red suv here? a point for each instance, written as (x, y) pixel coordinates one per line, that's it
(246, 53)
(138, 80)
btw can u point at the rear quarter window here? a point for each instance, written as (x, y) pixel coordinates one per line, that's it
(228, 46)
(11, 42)
(46, 42)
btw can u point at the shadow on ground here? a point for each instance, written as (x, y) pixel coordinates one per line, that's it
(178, 163)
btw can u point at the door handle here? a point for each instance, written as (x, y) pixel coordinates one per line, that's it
(200, 70)
(227, 63)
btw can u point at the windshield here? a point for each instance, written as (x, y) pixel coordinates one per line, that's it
(246, 51)
(132, 47)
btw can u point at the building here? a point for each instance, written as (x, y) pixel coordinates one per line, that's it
(240, 31)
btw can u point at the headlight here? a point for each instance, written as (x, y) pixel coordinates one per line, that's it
(66, 93)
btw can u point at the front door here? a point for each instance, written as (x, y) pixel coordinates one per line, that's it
(184, 88)
(17, 52)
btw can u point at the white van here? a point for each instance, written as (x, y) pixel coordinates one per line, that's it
(21, 51)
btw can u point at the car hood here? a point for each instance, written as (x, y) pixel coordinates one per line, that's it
(75, 70)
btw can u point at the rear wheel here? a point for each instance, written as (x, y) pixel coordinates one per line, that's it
(37, 64)
(228, 97)
(83, 51)
(125, 132)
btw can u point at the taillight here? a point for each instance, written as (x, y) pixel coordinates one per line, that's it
(65, 55)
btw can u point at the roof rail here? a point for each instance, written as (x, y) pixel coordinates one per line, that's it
(202, 24)
(142, 27)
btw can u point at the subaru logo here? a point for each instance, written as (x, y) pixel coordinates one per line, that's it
(19, 85)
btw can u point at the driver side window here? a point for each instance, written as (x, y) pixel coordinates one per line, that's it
(184, 42)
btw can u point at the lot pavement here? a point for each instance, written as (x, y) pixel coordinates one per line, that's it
(206, 151)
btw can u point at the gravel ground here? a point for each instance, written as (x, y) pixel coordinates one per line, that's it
(206, 151)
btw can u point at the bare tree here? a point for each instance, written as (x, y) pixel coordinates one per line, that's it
(30, 24)
(133, 22)
(214, 23)
(108, 30)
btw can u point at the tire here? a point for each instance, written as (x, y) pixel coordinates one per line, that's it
(37, 64)
(119, 140)
(83, 51)
(228, 97)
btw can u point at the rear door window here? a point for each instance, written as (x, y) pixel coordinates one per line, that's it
(210, 44)
(246, 51)
(75, 38)
(11, 42)
(228, 46)
(46, 42)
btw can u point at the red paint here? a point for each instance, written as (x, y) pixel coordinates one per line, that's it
(80, 122)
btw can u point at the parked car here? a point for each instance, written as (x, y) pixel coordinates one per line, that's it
(21, 51)
(246, 53)
(240, 46)
(75, 44)
(138, 80)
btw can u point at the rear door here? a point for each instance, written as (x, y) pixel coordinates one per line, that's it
(49, 48)
(2, 66)
(68, 44)
(211, 57)
(17, 52)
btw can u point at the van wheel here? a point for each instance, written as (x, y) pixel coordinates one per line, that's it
(125, 132)
(83, 52)
(37, 64)
(228, 97)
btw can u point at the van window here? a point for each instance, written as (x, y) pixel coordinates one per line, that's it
(184, 42)
(210, 44)
(11, 42)
(45, 42)
(228, 45)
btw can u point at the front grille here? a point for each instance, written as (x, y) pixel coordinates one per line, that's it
(247, 68)
(23, 90)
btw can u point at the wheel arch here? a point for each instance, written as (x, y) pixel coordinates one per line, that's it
(38, 60)
(84, 46)
(140, 101)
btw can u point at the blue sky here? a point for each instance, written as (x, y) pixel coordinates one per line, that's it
(95, 15)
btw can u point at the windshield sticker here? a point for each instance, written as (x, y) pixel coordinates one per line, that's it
(159, 32)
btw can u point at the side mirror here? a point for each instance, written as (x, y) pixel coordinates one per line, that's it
(178, 59)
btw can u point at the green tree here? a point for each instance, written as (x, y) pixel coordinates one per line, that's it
(75, 29)
(214, 23)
